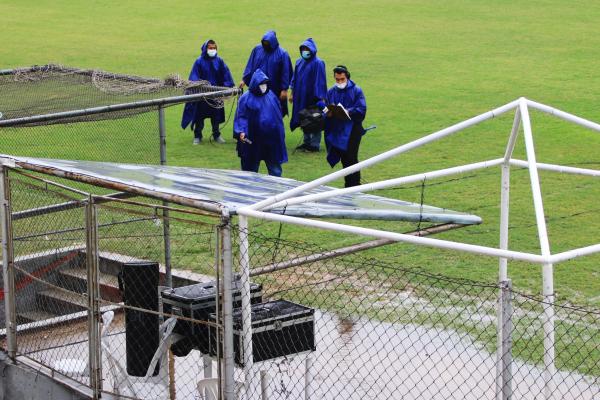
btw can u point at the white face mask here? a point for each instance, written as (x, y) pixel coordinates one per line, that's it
(263, 88)
(211, 53)
(341, 85)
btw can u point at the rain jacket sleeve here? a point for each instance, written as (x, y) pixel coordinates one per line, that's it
(240, 123)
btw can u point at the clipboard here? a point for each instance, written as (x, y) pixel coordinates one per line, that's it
(338, 111)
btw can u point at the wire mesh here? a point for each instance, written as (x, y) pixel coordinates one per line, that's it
(385, 331)
(52, 88)
(352, 326)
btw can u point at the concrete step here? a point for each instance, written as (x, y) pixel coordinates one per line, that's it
(75, 279)
(26, 317)
(59, 302)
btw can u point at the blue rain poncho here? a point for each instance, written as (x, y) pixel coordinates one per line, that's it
(309, 83)
(275, 63)
(337, 131)
(215, 71)
(258, 115)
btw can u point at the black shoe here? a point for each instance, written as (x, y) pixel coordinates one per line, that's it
(302, 147)
(312, 149)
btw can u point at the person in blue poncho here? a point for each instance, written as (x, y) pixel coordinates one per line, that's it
(258, 127)
(209, 67)
(343, 134)
(309, 85)
(275, 62)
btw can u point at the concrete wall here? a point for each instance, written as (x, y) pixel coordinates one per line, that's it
(20, 382)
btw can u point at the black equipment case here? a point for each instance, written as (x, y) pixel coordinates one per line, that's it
(279, 328)
(198, 302)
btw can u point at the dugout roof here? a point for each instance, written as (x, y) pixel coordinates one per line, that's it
(234, 189)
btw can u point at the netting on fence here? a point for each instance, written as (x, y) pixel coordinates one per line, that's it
(55, 88)
(352, 326)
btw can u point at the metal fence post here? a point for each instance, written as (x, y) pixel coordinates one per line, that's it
(8, 266)
(246, 304)
(93, 289)
(228, 373)
(162, 133)
(507, 328)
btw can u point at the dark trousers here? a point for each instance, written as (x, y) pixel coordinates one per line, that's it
(273, 168)
(200, 126)
(350, 156)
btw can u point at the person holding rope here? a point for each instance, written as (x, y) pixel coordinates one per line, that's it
(344, 111)
(208, 67)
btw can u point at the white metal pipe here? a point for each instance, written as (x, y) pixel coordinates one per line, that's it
(504, 220)
(228, 351)
(246, 303)
(535, 181)
(564, 115)
(308, 377)
(557, 168)
(547, 270)
(399, 237)
(388, 183)
(264, 385)
(512, 139)
(569, 255)
(386, 155)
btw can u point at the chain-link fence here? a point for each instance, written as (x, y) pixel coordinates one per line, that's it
(54, 111)
(93, 305)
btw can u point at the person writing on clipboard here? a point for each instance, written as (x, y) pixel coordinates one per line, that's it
(344, 111)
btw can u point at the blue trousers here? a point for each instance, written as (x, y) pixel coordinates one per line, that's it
(313, 140)
(251, 165)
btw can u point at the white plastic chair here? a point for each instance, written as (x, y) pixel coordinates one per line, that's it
(208, 388)
(76, 367)
(148, 385)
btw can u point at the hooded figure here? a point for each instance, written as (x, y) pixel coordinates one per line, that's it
(258, 126)
(214, 70)
(275, 62)
(343, 136)
(309, 85)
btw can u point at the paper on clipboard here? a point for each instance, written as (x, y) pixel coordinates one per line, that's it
(338, 111)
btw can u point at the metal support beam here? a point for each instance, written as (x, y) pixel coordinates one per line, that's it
(547, 268)
(355, 248)
(228, 361)
(166, 222)
(93, 289)
(246, 304)
(507, 328)
(8, 266)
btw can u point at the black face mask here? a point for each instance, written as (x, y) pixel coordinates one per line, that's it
(266, 46)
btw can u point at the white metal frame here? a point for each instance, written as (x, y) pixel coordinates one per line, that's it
(546, 258)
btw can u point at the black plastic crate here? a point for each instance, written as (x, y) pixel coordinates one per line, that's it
(198, 301)
(279, 328)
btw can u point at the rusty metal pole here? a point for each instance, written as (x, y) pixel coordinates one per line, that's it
(93, 289)
(8, 266)
(166, 223)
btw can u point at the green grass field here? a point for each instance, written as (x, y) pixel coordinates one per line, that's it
(423, 65)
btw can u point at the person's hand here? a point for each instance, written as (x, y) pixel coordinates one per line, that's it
(291, 97)
(283, 95)
(242, 84)
(242, 136)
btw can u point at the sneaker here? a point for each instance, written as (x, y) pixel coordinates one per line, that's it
(197, 140)
(312, 149)
(220, 140)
